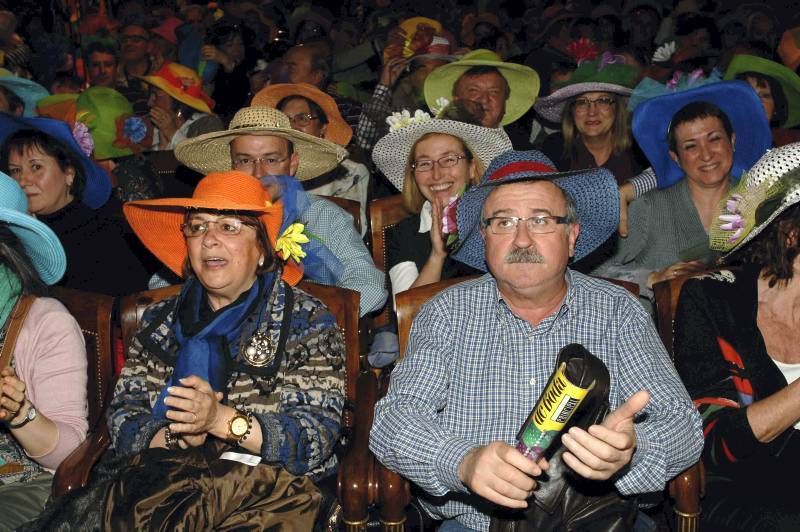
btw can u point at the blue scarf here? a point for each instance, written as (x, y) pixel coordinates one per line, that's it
(202, 342)
(319, 264)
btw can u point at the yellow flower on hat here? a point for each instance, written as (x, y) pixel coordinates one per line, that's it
(288, 245)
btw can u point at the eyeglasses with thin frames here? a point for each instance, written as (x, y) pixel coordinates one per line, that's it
(604, 103)
(426, 165)
(226, 226)
(302, 119)
(248, 164)
(538, 225)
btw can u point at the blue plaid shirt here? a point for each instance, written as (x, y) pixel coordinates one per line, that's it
(474, 370)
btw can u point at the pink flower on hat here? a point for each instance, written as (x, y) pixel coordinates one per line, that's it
(80, 132)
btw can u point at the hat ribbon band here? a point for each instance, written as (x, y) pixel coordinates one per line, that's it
(521, 166)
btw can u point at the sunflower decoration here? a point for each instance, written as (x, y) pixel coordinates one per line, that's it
(289, 245)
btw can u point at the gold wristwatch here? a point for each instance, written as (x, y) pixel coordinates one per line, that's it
(239, 426)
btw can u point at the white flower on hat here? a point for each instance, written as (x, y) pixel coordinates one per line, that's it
(439, 106)
(664, 52)
(403, 118)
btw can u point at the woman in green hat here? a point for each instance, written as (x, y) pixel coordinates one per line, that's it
(779, 91)
(595, 123)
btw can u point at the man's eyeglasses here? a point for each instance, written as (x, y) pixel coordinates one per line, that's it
(302, 119)
(248, 164)
(225, 226)
(581, 105)
(538, 225)
(426, 165)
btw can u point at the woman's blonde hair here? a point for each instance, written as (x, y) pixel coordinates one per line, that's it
(412, 197)
(620, 131)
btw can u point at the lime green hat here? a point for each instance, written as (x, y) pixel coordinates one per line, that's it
(788, 80)
(99, 108)
(522, 80)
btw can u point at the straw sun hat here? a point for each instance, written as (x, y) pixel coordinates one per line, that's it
(211, 152)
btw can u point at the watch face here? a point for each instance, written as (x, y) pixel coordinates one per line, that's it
(239, 426)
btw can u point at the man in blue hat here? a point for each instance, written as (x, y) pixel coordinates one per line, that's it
(480, 353)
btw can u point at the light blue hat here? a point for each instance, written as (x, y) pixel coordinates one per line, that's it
(29, 91)
(41, 243)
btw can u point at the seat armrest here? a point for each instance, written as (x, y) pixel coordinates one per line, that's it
(686, 489)
(356, 488)
(74, 471)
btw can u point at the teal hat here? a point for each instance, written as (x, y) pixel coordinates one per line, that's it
(29, 91)
(608, 73)
(788, 80)
(40, 242)
(522, 80)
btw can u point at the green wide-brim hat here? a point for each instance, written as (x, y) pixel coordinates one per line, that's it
(522, 80)
(788, 80)
(590, 76)
(99, 108)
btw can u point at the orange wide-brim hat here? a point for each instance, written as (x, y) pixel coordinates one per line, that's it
(157, 222)
(338, 131)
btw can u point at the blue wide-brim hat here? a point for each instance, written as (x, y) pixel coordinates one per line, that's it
(28, 91)
(594, 191)
(40, 242)
(652, 118)
(97, 188)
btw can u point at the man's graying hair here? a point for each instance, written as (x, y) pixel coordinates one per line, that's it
(572, 209)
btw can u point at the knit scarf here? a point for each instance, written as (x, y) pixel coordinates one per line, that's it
(9, 293)
(203, 337)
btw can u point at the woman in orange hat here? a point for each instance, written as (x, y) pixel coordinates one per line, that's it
(179, 107)
(239, 361)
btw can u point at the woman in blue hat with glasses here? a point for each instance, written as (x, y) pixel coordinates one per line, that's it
(42, 362)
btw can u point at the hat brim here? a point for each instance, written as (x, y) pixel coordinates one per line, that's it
(41, 244)
(552, 107)
(596, 198)
(652, 118)
(338, 131)
(191, 101)
(29, 91)
(522, 80)
(392, 152)
(211, 152)
(788, 80)
(97, 187)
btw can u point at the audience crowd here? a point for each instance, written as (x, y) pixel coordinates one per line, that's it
(542, 148)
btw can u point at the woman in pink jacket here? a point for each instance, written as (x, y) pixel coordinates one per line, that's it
(43, 385)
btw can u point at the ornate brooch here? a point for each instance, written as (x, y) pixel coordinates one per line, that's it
(260, 350)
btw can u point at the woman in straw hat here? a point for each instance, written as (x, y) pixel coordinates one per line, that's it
(239, 361)
(736, 337)
(431, 161)
(595, 124)
(43, 383)
(179, 107)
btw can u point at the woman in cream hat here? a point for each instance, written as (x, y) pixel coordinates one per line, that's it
(179, 107)
(431, 161)
(736, 337)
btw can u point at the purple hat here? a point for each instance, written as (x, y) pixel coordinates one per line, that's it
(594, 191)
(97, 188)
